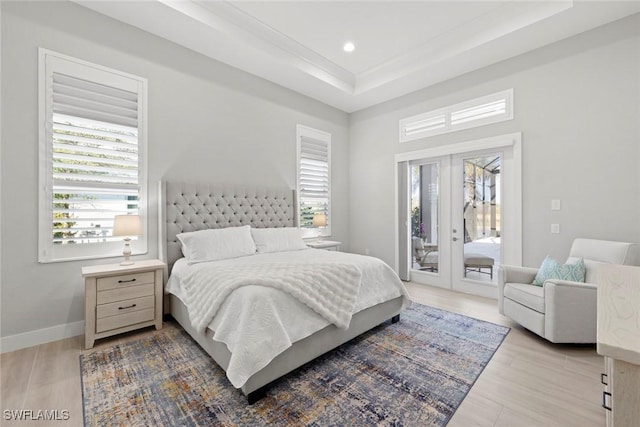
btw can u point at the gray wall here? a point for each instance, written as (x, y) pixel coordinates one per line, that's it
(207, 121)
(577, 104)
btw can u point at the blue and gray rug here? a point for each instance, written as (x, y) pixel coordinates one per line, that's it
(415, 373)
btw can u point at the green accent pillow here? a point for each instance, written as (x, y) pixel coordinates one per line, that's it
(552, 269)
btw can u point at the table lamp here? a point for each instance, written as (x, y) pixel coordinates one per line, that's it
(319, 221)
(127, 225)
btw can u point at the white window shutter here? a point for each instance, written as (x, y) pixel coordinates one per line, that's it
(92, 167)
(314, 179)
(485, 110)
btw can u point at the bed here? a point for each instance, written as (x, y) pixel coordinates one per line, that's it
(305, 333)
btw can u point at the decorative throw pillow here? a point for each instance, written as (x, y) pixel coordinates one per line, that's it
(217, 244)
(552, 269)
(278, 239)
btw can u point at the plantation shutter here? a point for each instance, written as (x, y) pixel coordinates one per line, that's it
(423, 124)
(94, 158)
(493, 108)
(313, 175)
(479, 112)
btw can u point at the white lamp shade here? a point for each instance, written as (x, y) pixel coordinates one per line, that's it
(319, 220)
(127, 225)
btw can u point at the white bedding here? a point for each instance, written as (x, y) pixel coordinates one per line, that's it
(257, 323)
(328, 288)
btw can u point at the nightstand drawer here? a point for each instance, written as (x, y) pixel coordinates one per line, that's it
(114, 322)
(129, 292)
(126, 306)
(124, 280)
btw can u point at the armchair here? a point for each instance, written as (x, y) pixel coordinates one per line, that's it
(560, 311)
(425, 255)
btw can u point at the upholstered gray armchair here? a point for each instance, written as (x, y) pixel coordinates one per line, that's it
(560, 311)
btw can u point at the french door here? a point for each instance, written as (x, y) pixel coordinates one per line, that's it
(430, 215)
(463, 218)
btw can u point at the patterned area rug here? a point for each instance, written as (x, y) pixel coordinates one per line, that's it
(415, 372)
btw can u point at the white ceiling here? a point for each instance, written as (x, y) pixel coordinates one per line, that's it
(381, 30)
(400, 46)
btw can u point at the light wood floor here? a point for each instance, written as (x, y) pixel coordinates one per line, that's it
(529, 382)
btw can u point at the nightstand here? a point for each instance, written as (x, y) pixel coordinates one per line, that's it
(121, 298)
(328, 245)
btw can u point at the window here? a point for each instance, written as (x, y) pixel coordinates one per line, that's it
(92, 157)
(485, 110)
(314, 181)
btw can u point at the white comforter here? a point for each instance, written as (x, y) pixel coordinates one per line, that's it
(329, 289)
(257, 323)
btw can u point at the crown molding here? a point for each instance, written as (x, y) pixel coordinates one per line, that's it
(279, 45)
(508, 18)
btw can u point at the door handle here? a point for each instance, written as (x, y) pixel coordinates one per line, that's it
(455, 239)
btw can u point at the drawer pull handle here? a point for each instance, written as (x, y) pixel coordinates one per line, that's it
(602, 377)
(129, 306)
(127, 281)
(604, 400)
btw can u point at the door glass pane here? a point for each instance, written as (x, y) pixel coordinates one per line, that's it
(481, 217)
(425, 187)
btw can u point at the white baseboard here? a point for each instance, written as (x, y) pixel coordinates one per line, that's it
(41, 336)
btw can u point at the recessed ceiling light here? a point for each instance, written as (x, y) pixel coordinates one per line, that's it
(349, 47)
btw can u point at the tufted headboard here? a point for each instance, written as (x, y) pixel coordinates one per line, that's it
(194, 206)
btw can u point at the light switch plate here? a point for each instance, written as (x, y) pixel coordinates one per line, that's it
(555, 228)
(555, 204)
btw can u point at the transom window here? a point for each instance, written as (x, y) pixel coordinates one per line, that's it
(485, 110)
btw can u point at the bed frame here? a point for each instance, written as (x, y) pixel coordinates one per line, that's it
(190, 207)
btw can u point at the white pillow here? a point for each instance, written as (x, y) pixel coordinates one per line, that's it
(278, 239)
(217, 244)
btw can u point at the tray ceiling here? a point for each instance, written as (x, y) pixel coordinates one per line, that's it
(400, 46)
